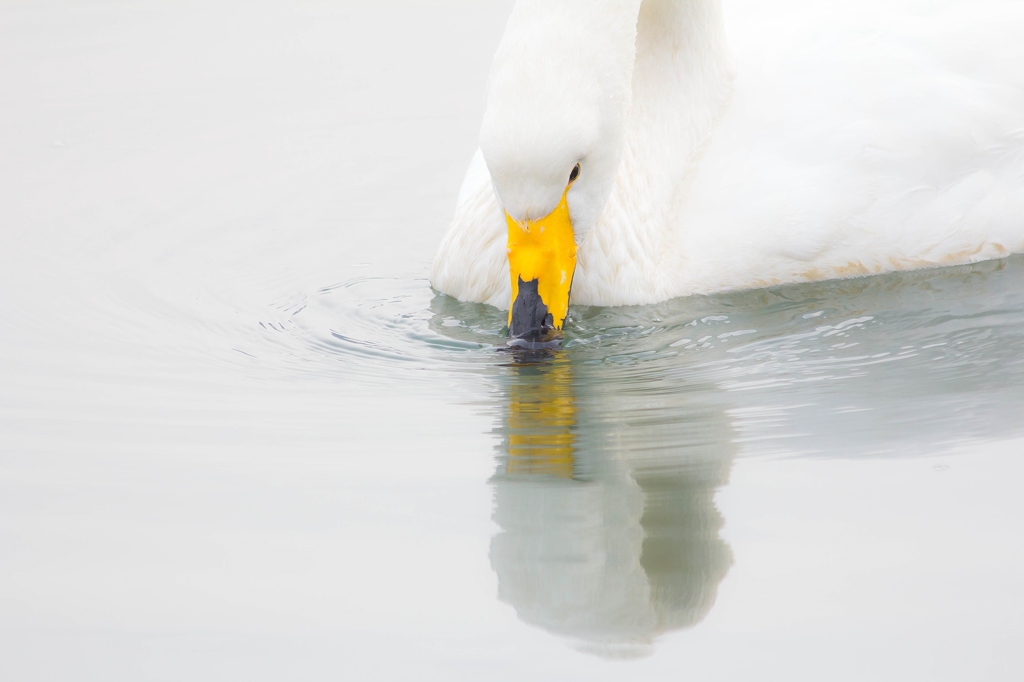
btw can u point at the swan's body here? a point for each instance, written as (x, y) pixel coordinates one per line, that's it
(820, 147)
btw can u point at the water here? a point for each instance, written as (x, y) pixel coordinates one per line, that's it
(240, 437)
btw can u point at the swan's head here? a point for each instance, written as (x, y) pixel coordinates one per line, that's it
(552, 138)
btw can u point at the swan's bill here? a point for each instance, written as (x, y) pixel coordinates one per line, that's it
(542, 261)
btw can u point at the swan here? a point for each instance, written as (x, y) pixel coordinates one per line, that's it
(629, 155)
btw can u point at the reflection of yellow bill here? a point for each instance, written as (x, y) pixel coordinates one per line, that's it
(540, 419)
(543, 251)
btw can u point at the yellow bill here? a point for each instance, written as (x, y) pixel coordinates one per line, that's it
(542, 260)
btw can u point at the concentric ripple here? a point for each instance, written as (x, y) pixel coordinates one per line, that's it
(370, 327)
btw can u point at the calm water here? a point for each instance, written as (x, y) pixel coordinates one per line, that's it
(241, 438)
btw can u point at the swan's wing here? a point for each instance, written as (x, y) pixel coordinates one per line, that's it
(471, 263)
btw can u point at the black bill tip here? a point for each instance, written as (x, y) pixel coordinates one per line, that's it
(531, 322)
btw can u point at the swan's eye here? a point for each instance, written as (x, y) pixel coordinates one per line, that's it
(575, 173)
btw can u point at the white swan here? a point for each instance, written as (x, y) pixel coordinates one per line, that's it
(879, 137)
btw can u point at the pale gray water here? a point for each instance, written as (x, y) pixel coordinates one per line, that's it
(240, 438)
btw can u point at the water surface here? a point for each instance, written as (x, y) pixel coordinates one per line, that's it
(240, 437)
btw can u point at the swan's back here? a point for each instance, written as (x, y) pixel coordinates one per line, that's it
(885, 139)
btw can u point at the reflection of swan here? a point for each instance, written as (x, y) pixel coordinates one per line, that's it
(886, 140)
(613, 446)
(595, 543)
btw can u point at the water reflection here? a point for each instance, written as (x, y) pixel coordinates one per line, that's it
(611, 449)
(609, 533)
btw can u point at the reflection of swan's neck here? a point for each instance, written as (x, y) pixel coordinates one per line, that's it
(568, 554)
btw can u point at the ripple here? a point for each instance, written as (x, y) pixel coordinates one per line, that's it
(893, 363)
(370, 327)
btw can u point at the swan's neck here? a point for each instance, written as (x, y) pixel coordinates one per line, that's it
(681, 85)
